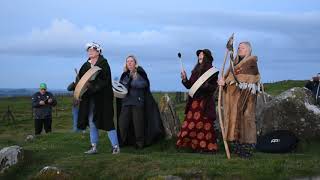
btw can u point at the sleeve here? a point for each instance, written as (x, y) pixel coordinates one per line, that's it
(101, 80)
(186, 83)
(309, 85)
(54, 101)
(35, 101)
(71, 86)
(82, 71)
(125, 80)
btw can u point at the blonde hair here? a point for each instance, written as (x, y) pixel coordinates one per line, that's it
(246, 43)
(125, 69)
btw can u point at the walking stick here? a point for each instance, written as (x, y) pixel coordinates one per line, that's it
(229, 47)
(264, 95)
(317, 92)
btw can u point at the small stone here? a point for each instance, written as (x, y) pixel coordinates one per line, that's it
(29, 138)
(51, 172)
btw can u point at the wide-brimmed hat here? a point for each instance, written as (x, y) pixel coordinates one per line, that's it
(207, 53)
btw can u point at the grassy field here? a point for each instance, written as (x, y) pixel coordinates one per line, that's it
(278, 87)
(64, 149)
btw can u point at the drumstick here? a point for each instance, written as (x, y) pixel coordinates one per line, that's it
(182, 67)
(77, 74)
(75, 70)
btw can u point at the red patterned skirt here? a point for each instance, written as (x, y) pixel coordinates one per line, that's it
(197, 131)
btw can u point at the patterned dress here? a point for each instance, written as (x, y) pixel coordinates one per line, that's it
(197, 131)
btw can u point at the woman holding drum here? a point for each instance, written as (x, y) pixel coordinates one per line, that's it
(94, 90)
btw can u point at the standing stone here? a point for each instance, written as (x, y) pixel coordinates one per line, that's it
(10, 156)
(169, 117)
(178, 97)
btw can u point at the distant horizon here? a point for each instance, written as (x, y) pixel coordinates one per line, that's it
(156, 90)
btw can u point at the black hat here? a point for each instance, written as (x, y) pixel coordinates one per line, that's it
(207, 53)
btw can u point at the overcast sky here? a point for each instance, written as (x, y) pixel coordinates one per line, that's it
(43, 41)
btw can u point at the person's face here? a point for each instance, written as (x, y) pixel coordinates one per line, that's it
(92, 53)
(43, 91)
(243, 50)
(200, 57)
(131, 64)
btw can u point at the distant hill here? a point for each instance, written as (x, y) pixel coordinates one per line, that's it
(273, 88)
(278, 87)
(7, 92)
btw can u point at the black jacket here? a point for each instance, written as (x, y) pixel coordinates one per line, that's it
(314, 86)
(43, 111)
(137, 90)
(100, 91)
(153, 124)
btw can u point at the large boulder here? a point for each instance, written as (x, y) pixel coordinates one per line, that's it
(170, 119)
(10, 156)
(293, 110)
(262, 100)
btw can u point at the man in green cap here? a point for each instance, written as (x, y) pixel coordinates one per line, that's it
(42, 103)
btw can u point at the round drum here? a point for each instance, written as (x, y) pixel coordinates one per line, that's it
(81, 87)
(203, 78)
(119, 90)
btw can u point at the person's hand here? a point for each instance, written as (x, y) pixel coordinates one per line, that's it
(133, 74)
(50, 100)
(76, 102)
(183, 75)
(221, 82)
(42, 103)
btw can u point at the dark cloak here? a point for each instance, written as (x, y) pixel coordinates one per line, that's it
(153, 124)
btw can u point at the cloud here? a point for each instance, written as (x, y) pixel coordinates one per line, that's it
(63, 38)
(173, 30)
(284, 42)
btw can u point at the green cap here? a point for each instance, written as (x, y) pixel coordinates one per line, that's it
(43, 86)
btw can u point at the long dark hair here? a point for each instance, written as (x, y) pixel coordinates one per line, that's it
(199, 69)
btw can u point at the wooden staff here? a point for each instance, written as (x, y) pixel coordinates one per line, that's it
(229, 47)
(318, 91)
(263, 94)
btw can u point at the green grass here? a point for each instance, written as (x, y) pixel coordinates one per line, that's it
(278, 87)
(64, 149)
